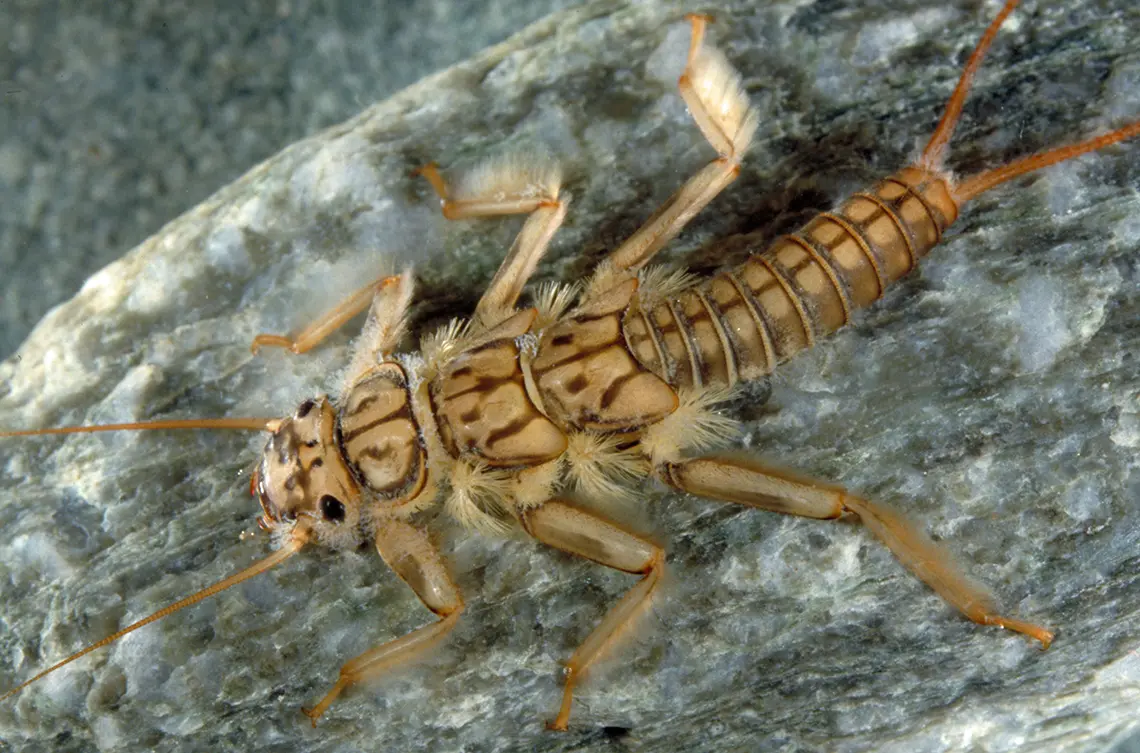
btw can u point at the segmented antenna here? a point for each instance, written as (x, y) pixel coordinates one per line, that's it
(243, 424)
(297, 539)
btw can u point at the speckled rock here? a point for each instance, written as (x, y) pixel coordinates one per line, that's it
(117, 117)
(992, 396)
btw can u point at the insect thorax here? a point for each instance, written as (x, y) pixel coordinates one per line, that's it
(379, 435)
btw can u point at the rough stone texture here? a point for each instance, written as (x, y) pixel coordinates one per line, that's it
(993, 396)
(116, 117)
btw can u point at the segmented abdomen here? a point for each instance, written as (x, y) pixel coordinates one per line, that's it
(742, 323)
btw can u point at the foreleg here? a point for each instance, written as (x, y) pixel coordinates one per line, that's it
(750, 483)
(416, 560)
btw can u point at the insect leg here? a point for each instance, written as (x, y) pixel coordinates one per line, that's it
(386, 324)
(750, 483)
(507, 186)
(717, 100)
(327, 323)
(409, 552)
(587, 535)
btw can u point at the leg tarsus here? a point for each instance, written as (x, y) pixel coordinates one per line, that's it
(1041, 634)
(562, 721)
(430, 172)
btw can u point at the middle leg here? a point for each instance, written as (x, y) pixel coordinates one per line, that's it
(502, 187)
(576, 531)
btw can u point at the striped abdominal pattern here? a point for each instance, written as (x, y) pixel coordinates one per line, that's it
(742, 323)
(520, 409)
(615, 366)
(511, 417)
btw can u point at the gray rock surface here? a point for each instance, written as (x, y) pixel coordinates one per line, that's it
(117, 117)
(992, 396)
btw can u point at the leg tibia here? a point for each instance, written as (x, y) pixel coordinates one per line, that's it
(750, 483)
(935, 567)
(519, 264)
(409, 552)
(511, 185)
(579, 532)
(681, 207)
(329, 322)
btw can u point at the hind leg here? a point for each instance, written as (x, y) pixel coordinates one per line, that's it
(719, 105)
(753, 484)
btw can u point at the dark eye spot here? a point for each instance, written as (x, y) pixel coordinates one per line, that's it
(304, 408)
(332, 508)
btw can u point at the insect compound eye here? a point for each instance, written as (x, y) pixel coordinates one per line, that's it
(332, 508)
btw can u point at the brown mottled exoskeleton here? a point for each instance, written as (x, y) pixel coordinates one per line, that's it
(506, 416)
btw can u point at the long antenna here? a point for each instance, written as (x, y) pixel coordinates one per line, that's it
(297, 539)
(245, 424)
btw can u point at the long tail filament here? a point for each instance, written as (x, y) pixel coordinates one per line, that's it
(935, 152)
